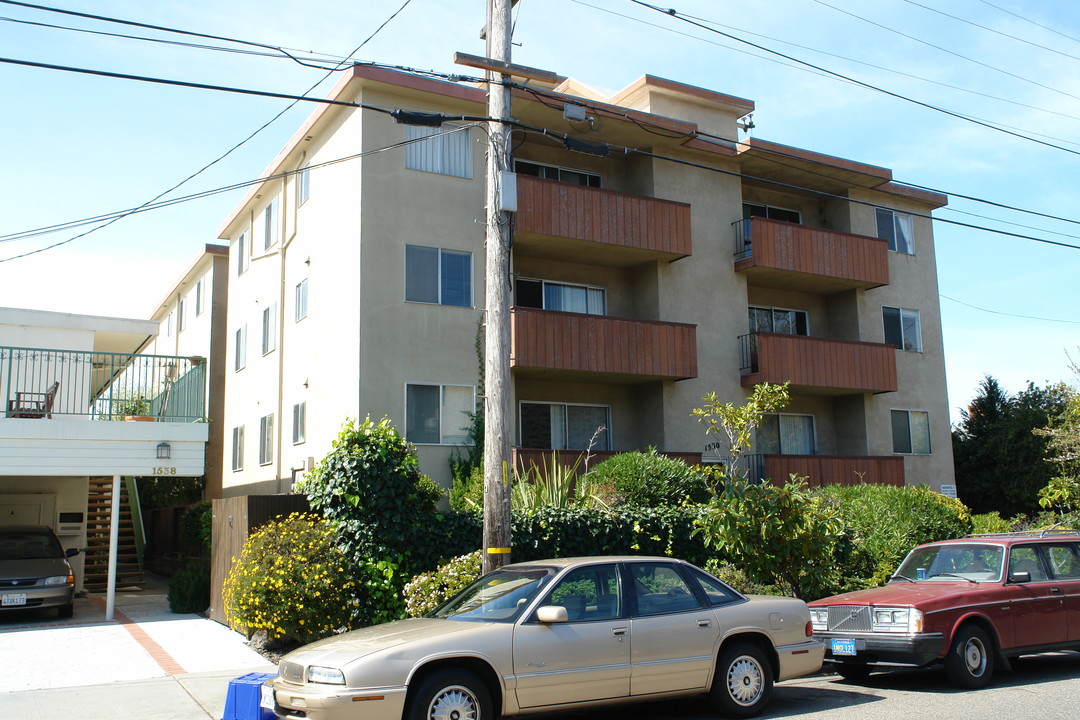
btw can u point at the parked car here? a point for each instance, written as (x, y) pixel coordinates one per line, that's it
(34, 570)
(556, 634)
(971, 604)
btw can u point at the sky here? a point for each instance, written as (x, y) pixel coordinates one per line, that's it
(77, 146)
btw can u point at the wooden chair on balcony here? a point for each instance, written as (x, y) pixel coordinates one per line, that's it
(34, 404)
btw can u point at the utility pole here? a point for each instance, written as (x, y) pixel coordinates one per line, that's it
(497, 413)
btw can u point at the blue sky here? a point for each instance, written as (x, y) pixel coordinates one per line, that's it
(78, 146)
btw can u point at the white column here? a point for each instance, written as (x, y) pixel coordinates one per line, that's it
(114, 535)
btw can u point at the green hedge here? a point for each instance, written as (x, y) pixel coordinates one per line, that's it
(648, 479)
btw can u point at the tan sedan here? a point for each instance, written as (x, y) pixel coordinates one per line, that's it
(555, 634)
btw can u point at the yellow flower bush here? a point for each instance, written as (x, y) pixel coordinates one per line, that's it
(291, 581)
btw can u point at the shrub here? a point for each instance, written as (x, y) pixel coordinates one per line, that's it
(779, 535)
(196, 525)
(649, 479)
(989, 523)
(738, 579)
(467, 492)
(427, 591)
(292, 582)
(189, 588)
(885, 522)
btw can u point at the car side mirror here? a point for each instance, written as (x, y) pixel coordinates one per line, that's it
(71, 552)
(1020, 577)
(552, 614)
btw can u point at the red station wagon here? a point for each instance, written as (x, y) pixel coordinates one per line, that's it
(971, 604)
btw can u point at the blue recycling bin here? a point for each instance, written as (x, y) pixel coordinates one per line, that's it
(242, 700)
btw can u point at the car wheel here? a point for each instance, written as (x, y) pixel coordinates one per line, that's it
(849, 671)
(970, 662)
(743, 682)
(65, 611)
(451, 695)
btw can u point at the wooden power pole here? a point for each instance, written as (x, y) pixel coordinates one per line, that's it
(497, 413)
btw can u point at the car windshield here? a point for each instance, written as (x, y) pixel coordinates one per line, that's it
(500, 596)
(954, 562)
(28, 545)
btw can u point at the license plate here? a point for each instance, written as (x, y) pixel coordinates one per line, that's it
(12, 599)
(266, 697)
(843, 647)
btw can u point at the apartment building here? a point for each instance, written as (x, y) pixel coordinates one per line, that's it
(191, 321)
(656, 257)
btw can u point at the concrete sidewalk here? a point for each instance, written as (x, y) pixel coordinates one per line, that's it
(148, 663)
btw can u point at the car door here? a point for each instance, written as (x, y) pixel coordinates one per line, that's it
(674, 633)
(1065, 565)
(1038, 605)
(586, 658)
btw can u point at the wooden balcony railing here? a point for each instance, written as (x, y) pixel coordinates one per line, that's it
(818, 365)
(638, 350)
(555, 218)
(781, 254)
(829, 469)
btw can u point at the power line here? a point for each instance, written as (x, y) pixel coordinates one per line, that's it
(679, 16)
(1029, 20)
(997, 312)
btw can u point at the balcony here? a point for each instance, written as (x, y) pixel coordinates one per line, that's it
(575, 346)
(829, 469)
(561, 220)
(42, 384)
(772, 253)
(818, 366)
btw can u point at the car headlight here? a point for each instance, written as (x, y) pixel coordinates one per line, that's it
(58, 580)
(819, 618)
(897, 620)
(326, 675)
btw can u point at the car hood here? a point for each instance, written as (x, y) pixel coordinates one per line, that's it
(340, 650)
(32, 568)
(916, 594)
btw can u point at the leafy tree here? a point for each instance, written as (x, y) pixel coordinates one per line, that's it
(999, 459)
(737, 423)
(1062, 436)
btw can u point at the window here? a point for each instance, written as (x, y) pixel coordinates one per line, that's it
(661, 588)
(441, 277)
(750, 210)
(299, 423)
(896, 228)
(269, 329)
(1064, 561)
(785, 434)
(588, 593)
(241, 348)
(902, 328)
(168, 325)
(238, 448)
(181, 323)
(567, 175)
(241, 254)
(911, 432)
(557, 426)
(301, 300)
(717, 592)
(198, 298)
(266, 439)
(303, 186)
(438, 414)
(560, 296)
(270, 225)
(777, 320)
(445, 153)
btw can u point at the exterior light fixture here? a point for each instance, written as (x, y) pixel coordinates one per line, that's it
(164, 451)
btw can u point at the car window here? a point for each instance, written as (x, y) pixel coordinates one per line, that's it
(499, 596)
(1064, 561)
(951, 562)
(660, 588)
(589, 593)
(1025, 558)
(717, 592)
(29, 545)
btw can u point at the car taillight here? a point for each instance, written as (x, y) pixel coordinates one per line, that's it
(809, 628)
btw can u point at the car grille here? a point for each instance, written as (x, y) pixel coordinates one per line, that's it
(291, 672)
(17, 582)
(850, 618)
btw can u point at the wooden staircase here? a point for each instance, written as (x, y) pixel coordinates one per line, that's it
(98, 517)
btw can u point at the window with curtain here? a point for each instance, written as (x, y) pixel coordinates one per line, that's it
(552, 172)
(299, 423)
(588, 299)
(558, 426)
(437, 276)
(442, 152)
(911, 432)
(897, 229)
(778, 320)
(266, 439)
(301, 300)
(785, 434)
(238, 448)
(772, 213)
(241, 348)
(902, 328)
(270, 225)
(438, 414)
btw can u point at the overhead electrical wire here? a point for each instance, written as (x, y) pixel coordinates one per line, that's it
(998, 312)
(1029, 20)
(679, 16)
